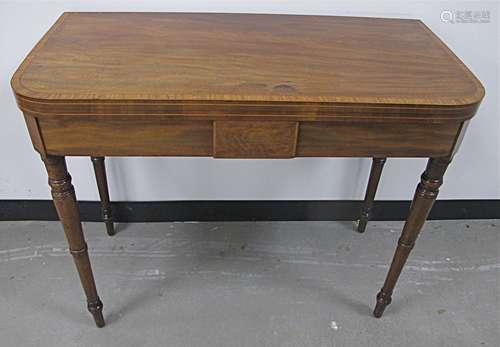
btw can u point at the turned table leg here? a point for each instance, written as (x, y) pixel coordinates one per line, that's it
(371, 190)
(65, 202)
(425, 195)
(102, 185)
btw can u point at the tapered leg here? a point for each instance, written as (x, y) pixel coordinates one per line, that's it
(63, 194)
(425, 195)
(371, 190)
(102, 185)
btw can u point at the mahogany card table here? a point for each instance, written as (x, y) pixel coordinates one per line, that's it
(243, 86)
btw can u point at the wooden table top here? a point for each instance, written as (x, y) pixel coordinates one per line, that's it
(122, 58)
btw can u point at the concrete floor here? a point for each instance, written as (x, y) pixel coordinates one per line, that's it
(251, 284)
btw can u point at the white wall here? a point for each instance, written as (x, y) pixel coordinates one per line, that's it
(474, 174)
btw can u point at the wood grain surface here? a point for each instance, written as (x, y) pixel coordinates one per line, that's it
(109, 63)
(94, 136)
(245, 139)
(119, 137)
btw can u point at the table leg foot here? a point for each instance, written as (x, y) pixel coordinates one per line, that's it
(95, 308)
(110, 228)
(362, 222)
(383, 300)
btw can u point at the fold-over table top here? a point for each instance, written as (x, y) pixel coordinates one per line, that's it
(92, 59)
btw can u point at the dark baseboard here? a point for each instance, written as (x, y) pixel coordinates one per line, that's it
(249, 210)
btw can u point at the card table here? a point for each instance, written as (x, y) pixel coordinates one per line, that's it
(243, 86)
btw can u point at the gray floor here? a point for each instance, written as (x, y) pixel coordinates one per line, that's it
(251, 284)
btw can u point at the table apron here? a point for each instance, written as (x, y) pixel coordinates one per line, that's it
(96, 136)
